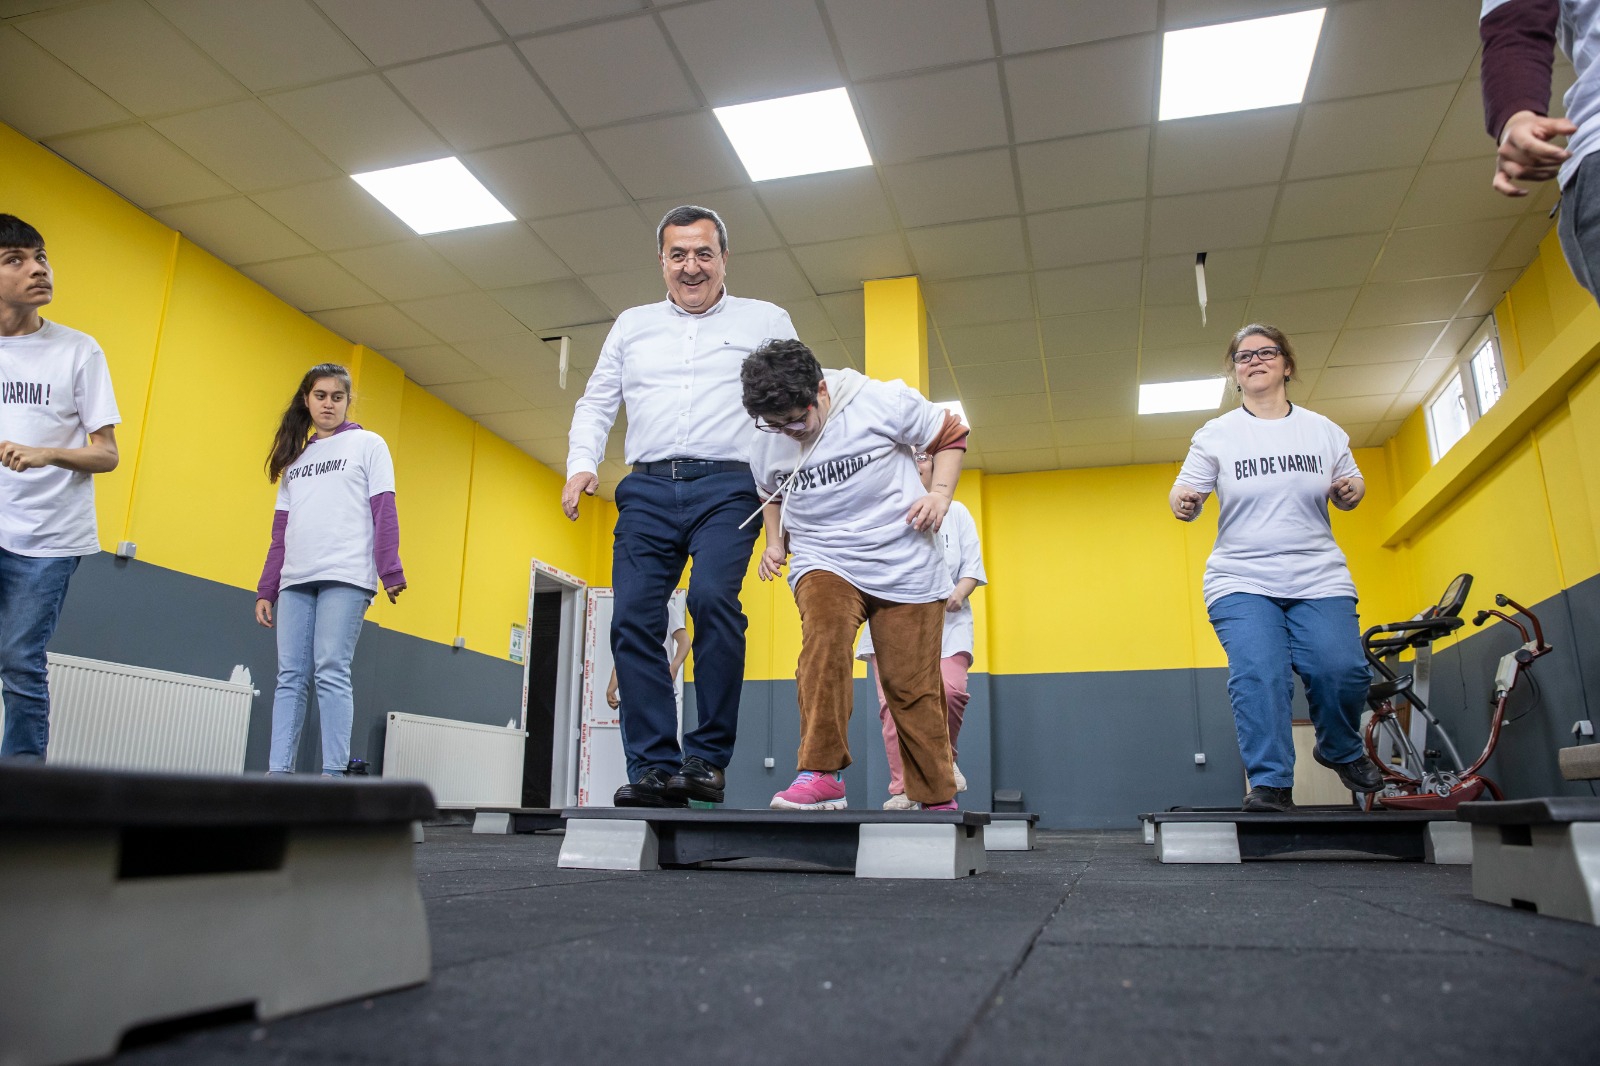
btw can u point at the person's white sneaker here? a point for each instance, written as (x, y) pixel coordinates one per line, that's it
(961, 780)
(898, 802)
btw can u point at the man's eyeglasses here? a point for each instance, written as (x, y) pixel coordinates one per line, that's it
(1266, 355)
(797, 426)
(703, 256)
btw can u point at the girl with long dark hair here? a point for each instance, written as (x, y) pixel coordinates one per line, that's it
(335, 537)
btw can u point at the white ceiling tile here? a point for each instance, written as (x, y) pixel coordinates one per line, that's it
(598, 242)
(933, 114)
(1003, 438)
(1311, 351)
(1185, 14)
(1087, 234)
(407, 270)
(966, 249)
(975, 301)
(1113, 430)
(512, 356)
(1099, 287)
(833, 355)
(1178, 425)
(953, 189)
(246, 145)
(43, 97)
(999, 342)
(117, 45)
(477, 398)
(1012, 378)
(467, 316)
(1353, 203)
(744, 50)
(1019, 462)
(1221, 151)
(1230, 272)
(1440, 251)
(627, 288)
(770, 276)
(1386, 304)
(888, 36)
(1462, 134)
(1030, 25)
(827, 207)
(359, 123)
(395, 31)
(1202, 222)
(1371, 379)
(1447, 193)
(235, 230)
(500, 255)
(1303, 312)
(1119, 76)
(1072, 405)
(518, 17)
(1087, 334)
(553, 305)
(1184, 363)
(1175, 325)
(1170, 450)
(1371, 46)
(1092, 455)
(1522, 247)
(836, 266)
(556, 176)
(611, 72)
(311, 283)
(142, 165)
(520, 425)
(1094, 168)
(333, 214)
(667, 156)
(434, 364)
(1491, 287)
(1369, 133)
(1007, 410)
(1385, 344)
(266, 44)
(749, 229)
(811, 322)
(380, 326)
(1102, 370)
(848, 311)
(1334, 262)
(1354, 411)
(480, 98)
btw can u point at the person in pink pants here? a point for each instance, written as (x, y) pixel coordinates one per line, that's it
(964, 557)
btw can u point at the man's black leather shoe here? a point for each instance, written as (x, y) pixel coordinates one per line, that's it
(1360, 774)
(649, 791)
(697, 780)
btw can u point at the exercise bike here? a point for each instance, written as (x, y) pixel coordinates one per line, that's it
(1409, 782)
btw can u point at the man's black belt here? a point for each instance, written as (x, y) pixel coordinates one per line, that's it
(689, 469)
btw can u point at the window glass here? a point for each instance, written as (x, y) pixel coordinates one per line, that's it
(1448, 418)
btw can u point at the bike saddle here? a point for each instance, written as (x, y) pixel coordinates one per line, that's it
(1384, 690)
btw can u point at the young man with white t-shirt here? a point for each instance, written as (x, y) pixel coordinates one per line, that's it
(57, 419)
(835, 466)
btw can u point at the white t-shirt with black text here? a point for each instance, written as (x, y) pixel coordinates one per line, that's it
(327, 492)
(55, 389)
(963, 557)
(846, 509)
(1271, 477)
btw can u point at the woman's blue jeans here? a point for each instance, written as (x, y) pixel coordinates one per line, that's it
(317, 625)
(1267, 637)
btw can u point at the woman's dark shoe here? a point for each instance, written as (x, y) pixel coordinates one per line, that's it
(649, 791)
(698, 780)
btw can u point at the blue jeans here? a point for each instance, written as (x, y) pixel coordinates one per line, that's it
(1265, 637)
(31, 593)
(317, 625)
(661, 524)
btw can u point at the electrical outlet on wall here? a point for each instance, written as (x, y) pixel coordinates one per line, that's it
(1199, 758)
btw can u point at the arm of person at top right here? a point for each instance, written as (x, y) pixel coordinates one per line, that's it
(1519, 40)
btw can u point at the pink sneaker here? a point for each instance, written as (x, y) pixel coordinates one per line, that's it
(947, 805)
(812, 791)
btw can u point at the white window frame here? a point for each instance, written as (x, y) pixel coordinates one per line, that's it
(1461, 370)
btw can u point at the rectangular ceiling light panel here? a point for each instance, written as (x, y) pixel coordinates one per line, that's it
(1238, 66)
(1169, 396)
(436, 196)
(806, 134)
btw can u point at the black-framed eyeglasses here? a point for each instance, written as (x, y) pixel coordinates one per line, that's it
(1266, 355)
(703, 256)
(796, 426)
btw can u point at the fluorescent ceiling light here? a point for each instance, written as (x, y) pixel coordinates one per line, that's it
(1169, 396)
(806, 134)
(436, 196)
(1238, 66)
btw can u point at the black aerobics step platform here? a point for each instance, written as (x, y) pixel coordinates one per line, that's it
(158, 896)
(517, 820)
(911, 844)
(1149, 827)
(1538, 854)
(1307, 833)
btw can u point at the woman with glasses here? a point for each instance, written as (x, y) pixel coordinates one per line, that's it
(1277, 589)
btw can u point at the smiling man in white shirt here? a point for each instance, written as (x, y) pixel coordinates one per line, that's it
(674, 365)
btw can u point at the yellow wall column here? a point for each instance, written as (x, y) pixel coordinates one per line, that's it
(897, 332)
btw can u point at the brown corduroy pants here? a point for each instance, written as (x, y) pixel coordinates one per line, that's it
(906, 638)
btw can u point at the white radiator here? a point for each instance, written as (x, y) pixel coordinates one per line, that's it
(464, 763)
(120, 717)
